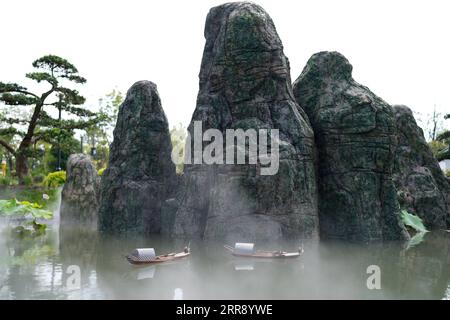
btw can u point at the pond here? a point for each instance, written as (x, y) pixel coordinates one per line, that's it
(48, 268)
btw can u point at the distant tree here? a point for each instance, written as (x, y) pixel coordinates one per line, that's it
(9, 139)
(68, 145)
(178, 137)
(109, 108)
(444, 139)
(431, 123)
(38, 122)
(99, 137)
(436, 147)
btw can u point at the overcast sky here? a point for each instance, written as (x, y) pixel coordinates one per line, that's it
(399, 49)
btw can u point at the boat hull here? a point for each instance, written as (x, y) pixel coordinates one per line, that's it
(266, 254)
(159, 259)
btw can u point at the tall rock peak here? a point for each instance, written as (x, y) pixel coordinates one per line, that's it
(140, 175)
(422, 187)
(355, 135)
(245, 84)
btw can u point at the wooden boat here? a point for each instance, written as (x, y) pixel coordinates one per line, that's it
(133, 259)
(265, 254)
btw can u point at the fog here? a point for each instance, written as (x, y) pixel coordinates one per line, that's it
(45, 269)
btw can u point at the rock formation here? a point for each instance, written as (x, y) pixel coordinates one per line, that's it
(80, 194)
(355, 137)
(140, 175)
(245, 84)
(421, 185)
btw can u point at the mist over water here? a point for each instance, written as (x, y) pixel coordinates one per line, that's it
(42, 269)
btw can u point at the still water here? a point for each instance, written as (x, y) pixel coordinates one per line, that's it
(44, 269)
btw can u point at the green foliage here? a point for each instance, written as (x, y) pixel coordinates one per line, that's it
(30, 212)
(17, 99)
(101, 157)
(54, 179)
(436, 147)
(412, 221)
(24, 208)
(59, 66)
(27, 181)
(178, 138)
(57, 72)
(38, 178)
(69, 145)
(417, 225)
(447, 173)
(42, 76)
(416, 239)
(444, 154)
(100, 135)
(6, 181)
(444, 139)
(443, 136)
(109, 108)
(100, 172)
(45, 197)
(10, 87)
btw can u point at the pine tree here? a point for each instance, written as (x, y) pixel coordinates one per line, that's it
(40, 124)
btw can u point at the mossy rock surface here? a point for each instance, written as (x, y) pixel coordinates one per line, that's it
(355, 134)
(245, 84)
(80, 194)
(422, 187)
(141, 174)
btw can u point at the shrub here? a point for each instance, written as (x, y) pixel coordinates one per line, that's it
(100, 172)
(28, 180)
(54, 179)
(447, 173)
(5, 181)
(39, 178)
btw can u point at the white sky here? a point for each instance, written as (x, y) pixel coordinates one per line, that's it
(399, 49)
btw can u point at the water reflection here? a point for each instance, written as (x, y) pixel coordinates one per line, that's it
(178, 294)
(45, 269)
(242, 265)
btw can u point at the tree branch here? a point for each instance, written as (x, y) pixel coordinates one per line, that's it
(13, 87)
(27, 140)
(26, 92)
(7, 147)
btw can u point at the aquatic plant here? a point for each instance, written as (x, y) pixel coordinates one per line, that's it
(29, 213)
(413, 221)
(417, 225)
(416, 239)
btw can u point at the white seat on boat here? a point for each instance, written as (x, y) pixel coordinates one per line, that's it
(144, 254)
(244, 248)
